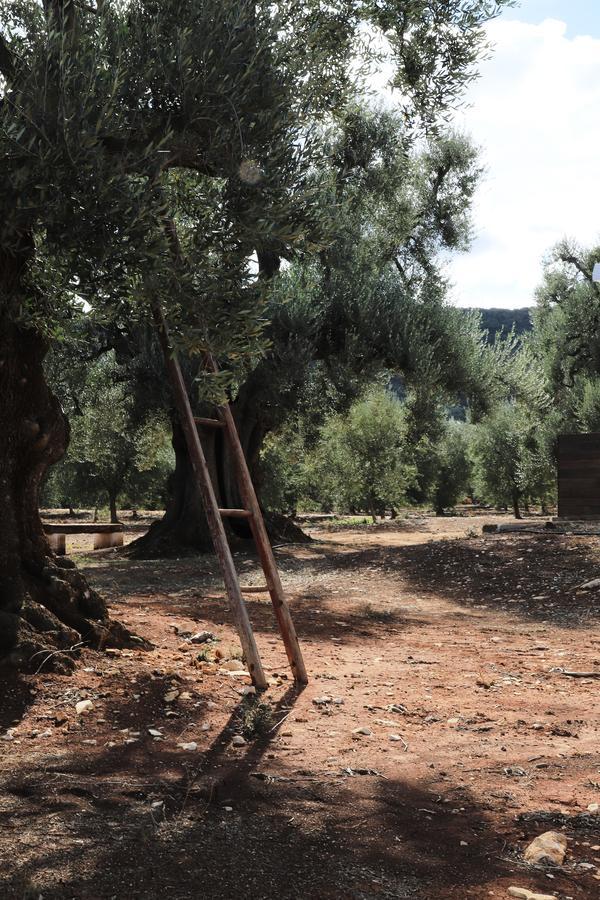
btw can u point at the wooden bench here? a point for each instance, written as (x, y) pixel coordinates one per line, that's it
(104, 535)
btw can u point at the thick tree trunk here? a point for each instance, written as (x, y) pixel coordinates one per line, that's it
(112, 505)
(516, 509)
(46, 606)
(183, 529)
(372, 511)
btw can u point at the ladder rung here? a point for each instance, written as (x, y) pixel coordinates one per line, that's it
(254, 589)
(236, 513)
(209, 423)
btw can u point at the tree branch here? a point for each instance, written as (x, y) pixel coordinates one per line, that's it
(175, 156)
(574, 261)
(7, 62)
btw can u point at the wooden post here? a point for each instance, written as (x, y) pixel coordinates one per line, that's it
(57, 543)
(211, 507)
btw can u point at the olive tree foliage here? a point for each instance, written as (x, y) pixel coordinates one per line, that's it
(362, 460)
(566, 338)
(117, 452)
(366, 459)
(551, 385)
(512, 442)
(105, 107)
(584, 404)
(454, 466)
(566, 317)
(373, 298)
(512, 468)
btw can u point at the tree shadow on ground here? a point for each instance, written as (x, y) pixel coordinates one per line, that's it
(195, 591)
(532, 578)
(16, 696)
(315, 616)
(155, 821)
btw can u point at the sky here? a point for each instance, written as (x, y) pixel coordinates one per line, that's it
(535, 114)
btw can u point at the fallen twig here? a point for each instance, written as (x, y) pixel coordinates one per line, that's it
(570, 674)
(277, 724)
(73, 649)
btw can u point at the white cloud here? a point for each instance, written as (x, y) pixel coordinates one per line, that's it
(535, 112)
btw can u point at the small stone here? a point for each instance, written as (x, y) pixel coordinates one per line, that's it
(395, 737)
(525, 894)
(594, 807)
(202, 637)
(238, 741)
(548, 848)
(191, 746)
(233, 665)
(154, 732)
(587, 585)
(170, 696)
(364, 730)
(84, 707)
(248, 691)
(322, 701)
(453, 721)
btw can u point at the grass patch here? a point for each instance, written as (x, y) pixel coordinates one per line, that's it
(257, 719)
(83, 559)
(377, 614)
(348, 521)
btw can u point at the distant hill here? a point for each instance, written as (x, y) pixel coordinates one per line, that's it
(496, 320)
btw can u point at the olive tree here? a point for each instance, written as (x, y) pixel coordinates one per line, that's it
(103, 109)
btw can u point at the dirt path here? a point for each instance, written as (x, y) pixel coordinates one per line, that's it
(438, 734)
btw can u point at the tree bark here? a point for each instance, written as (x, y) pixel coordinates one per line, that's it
(46, 606)
(112, 505)
(372, 511)
(183, 529)
(516, 509)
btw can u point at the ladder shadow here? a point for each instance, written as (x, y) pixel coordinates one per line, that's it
(225, 773)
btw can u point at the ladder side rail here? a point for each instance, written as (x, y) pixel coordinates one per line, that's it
(211, 507)
(265, 551)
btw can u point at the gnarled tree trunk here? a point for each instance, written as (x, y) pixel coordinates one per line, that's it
(183, 530)
(45, 604)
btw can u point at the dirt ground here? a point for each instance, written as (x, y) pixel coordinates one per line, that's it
(438, 735)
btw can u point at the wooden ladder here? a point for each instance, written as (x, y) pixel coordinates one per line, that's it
(215, 516)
